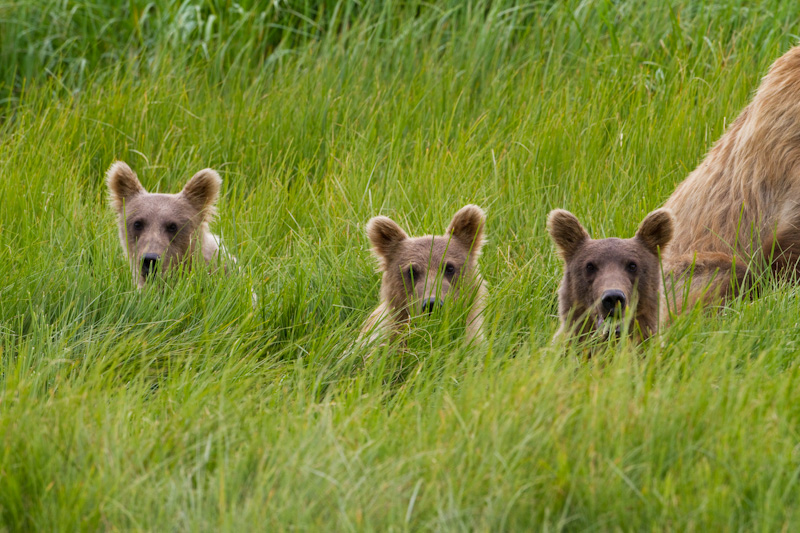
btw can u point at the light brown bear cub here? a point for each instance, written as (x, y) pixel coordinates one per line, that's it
(419, 274)
(163, 230)
(609, 282)
(739, 210)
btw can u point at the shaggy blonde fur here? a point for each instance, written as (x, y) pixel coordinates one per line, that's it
(738, 212)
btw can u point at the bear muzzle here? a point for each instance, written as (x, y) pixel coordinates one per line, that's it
(149, 264)
(431, 304)
(613, 305)
(613, 301)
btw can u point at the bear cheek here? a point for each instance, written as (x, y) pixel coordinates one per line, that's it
(135, 245)
(126, 237)
(579, 289)
(572, 298)
(180, 247)
(394, 290)
(648, 288)
(451, 291)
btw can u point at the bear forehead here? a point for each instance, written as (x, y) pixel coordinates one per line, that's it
(613, 249)
(155, 205)
(423, 250)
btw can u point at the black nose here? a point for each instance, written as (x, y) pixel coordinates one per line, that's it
(613, 299)
(431, 304)
(149, 264)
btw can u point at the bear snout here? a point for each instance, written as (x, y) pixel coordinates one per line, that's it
(613, 301)
(149, 264)
(431, 304)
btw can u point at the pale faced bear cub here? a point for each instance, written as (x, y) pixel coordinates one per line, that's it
(163, 231)
(421, 274)
(609, 282)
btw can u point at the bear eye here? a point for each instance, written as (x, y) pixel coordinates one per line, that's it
(412, 273)
(172, 227)
(632, 267)
(591, 268)
(449, 269)
(138, 225)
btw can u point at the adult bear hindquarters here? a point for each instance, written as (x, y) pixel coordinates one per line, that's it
(740, 209)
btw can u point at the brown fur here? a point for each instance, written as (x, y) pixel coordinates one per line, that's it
(606, 277)
(171, 227)
(426, 269)
(739, 210)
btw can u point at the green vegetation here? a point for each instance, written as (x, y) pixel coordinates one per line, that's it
(182, 407)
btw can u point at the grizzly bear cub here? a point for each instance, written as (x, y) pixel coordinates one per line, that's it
(420, 274)
(163, 231)
(738, 213)
(609, 283)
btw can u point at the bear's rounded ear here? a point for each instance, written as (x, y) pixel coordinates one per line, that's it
(566, 232)
(202, 191)
(122, 185)
(467, 227)
(385, 235)
(656, 229)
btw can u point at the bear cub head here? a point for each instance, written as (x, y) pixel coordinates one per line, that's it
(420, 273)
(611, 282)
(161, 231)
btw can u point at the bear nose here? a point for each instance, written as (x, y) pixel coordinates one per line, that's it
(149, 264)
(613, 298)
(429, 305)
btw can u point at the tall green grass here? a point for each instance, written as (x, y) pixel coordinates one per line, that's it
(183, 407)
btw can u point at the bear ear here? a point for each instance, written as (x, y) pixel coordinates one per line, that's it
(122, 184)
(656, 230)
(467, 227)
(566, 231)
(202, 191)
(385, 235)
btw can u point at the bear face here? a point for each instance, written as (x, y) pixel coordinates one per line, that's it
(609, 282)
(420, 274)
(162, 231)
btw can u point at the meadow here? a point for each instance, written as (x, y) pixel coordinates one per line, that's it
(181, 407)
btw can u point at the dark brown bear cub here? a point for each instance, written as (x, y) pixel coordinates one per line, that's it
(609, 283)
(420, 274)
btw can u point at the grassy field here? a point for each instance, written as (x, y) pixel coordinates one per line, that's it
(183, 408)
